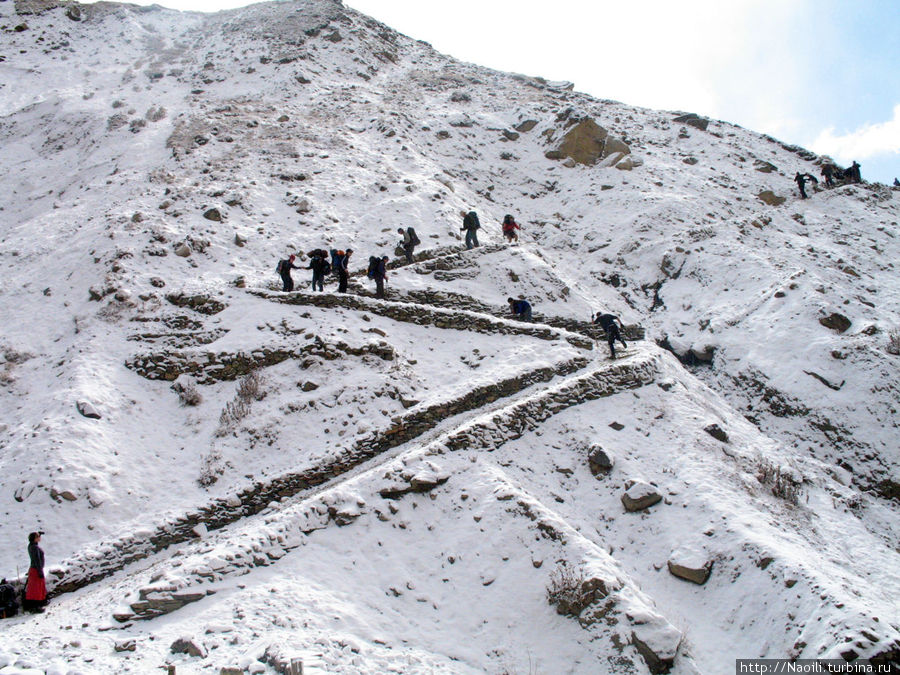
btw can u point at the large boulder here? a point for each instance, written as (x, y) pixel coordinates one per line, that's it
(655, 638)
(584, 143)
(836, 322)
(613, 145)
(600, 462)
(694, 120)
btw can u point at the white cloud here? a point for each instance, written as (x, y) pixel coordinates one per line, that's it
(870, 140)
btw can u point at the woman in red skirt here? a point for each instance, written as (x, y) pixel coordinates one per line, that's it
(35, 587)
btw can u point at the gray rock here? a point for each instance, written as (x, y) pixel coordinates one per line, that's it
(511, 135)
(836, 322)
(614, 145)
(213, 214)
(239, 240)
(716, 432)
(189, 646)
(693, 120)
(125, 646)
(88, 410)
(183, 250)
(599, 461)
(691, 571)
(584, 143)
(527, 125)
(640, 496)
(764, 167)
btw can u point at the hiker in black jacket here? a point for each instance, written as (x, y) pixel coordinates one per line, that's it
(608, 322)
(320, 267)
(379, 274)
(284, 269)
(471, 226)
(343, 270)
(409, 243)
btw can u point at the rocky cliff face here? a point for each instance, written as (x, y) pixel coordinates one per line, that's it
(157, 165)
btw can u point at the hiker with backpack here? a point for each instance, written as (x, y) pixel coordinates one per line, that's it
(520, 308)
(509, 228)
(378, 271)
(610, 323)
(320, 267)
(471, 226)
(9, 606)
(409, 243)
(343, 269)
(828, 172)
(284, 268)
(853, 172)
(35, 586)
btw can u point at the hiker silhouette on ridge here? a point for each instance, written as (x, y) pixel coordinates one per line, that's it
(610, 323)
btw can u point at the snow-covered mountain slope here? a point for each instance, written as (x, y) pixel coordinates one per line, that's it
(398, 483)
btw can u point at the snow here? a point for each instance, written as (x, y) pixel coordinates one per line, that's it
(120, 131)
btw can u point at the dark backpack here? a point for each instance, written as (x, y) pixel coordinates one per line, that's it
(413, 237)
(9, 606)
(373, 266)
(279, 266)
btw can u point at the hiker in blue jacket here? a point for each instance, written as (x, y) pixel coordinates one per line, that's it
(520, 308)
(608, 322)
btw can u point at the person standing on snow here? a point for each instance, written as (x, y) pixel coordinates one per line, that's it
(610, 323)
(320, 267)
(471, 226)
(343, 270)
(409, 243)
(800, 180)
(35, 586)
(378, 272)
(284, 269)
(509, 228)
(520, 308)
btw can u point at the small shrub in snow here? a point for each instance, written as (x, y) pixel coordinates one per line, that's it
(566, 589)
(210, 468)
(893, 345)
(233, 413)
(188, 394)
(250, 387)
(784, 484)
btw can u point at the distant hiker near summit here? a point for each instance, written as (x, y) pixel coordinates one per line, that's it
(853, 172)
(471, 226)
(828, 172)
(509, 228)
(520, 308)
(608, 322)
(284, 269)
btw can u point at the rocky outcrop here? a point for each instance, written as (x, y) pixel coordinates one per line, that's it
(584, 143)
(693, 120)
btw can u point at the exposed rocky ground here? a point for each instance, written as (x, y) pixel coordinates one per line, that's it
(231, 477)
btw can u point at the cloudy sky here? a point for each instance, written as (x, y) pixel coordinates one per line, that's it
(824, 74)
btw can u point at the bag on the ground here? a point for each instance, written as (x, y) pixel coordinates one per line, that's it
(373, 266)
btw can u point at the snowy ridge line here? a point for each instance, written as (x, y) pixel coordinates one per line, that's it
(285, 529)
(252, 500)
(424, 315)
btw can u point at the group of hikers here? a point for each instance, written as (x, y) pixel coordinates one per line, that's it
(339, 261)
(34, 595)
(831, 173)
